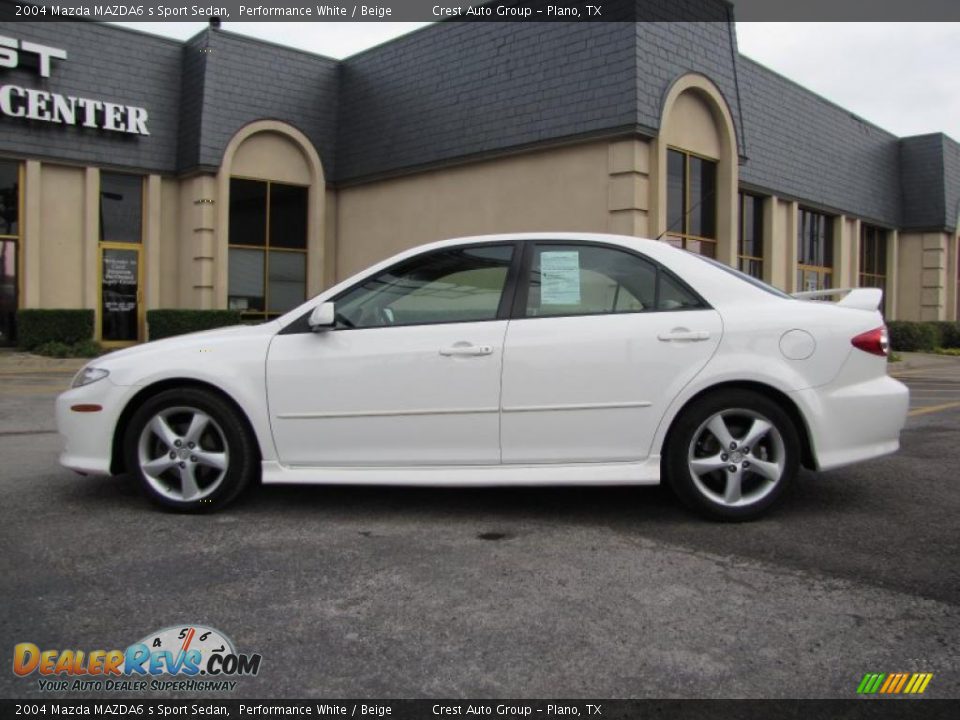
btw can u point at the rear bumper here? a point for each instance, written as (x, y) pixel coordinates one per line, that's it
(851, 422)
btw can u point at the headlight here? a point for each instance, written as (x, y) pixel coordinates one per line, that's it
(89, 375)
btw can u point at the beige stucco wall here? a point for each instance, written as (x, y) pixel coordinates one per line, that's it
(689, 124)
(564, 188)
(195, 241)
(951, 271)
(169, 243)
(61, 237)
(271, 156)
(923, 283)
(846, 251)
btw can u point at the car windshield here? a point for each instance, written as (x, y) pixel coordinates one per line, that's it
(743, 276)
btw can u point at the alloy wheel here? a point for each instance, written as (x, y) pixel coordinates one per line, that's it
(736, 457)
(183, 454)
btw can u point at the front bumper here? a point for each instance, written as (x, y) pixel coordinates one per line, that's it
(88, 436)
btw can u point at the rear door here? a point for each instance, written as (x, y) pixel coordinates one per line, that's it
(600, 343)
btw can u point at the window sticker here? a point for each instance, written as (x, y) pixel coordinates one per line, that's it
(560, 277)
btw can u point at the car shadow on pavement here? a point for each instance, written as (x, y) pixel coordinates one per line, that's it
(646, 505)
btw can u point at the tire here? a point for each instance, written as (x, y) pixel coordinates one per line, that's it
(190, 450)
(714, 472)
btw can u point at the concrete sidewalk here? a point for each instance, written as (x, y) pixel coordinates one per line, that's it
(15, 362)
(923, 361)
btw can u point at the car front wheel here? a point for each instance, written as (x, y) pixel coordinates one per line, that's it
(732, 454)
(190, 450)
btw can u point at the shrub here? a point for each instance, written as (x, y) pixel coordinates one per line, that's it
(166, 323)
(52, 348)
(913, 336)
(57, 349)
(68, 327)
(86, 349)
(949, 334)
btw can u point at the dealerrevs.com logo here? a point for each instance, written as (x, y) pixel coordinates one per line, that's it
(184, 658)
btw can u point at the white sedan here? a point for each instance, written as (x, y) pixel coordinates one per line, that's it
(535, 359)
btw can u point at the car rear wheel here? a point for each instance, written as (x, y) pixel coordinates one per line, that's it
(732, 454)
(190, 450)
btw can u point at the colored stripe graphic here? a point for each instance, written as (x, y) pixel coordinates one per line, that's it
(894, 683)
(870, 683)
(891, 680)
(903, 680)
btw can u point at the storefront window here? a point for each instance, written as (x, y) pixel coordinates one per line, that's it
(750, 241)
(121, 208)
(9, 248)
(268, 247)
(873, 258)
(692, 202)
(814, 251)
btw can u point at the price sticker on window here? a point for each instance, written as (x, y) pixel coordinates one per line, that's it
(560, 277)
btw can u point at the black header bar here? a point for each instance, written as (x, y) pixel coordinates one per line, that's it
(503, 11)
(929, 709)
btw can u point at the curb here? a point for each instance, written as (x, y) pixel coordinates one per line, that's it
(916, 361)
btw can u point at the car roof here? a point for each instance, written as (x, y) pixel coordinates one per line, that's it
(653, 248)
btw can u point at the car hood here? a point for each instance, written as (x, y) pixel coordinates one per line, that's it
(187, 355)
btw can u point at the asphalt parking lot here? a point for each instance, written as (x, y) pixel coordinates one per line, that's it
(602, 592)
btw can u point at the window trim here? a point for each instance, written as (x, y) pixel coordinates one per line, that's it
(681, 235)
(880, 234)
(823, 272)
(513, 301)
(266, 315)
(300, 325)
(741, 231)
(523, 289)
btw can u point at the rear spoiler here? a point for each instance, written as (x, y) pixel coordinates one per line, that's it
(858, 298)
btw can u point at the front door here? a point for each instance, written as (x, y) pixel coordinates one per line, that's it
(603, 343)
(8, 291)
(410, 375)
(119, 294)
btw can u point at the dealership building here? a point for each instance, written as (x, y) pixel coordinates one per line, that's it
(225, 172)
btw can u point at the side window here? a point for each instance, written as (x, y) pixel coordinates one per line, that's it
(591, 280)
(673, 296)
(446, 286)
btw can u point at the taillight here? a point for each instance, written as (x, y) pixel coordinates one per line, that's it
(875, 342)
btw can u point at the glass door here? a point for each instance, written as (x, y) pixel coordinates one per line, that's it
(121, 264)
(8, 291)
(10, 184)
(119, 294)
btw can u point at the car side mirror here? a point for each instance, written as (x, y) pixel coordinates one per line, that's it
(323, 317)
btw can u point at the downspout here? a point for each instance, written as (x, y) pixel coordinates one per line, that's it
(731, 31)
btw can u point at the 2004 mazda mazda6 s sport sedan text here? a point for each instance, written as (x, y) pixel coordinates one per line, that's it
(535, 359)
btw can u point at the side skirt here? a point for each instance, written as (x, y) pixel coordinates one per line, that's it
(645, 472)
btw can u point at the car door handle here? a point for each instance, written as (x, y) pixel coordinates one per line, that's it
(466, 349)
(683, 335)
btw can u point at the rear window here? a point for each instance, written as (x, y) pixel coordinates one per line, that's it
(746, 278)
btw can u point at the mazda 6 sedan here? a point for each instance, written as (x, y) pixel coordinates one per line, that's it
(535, 359)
